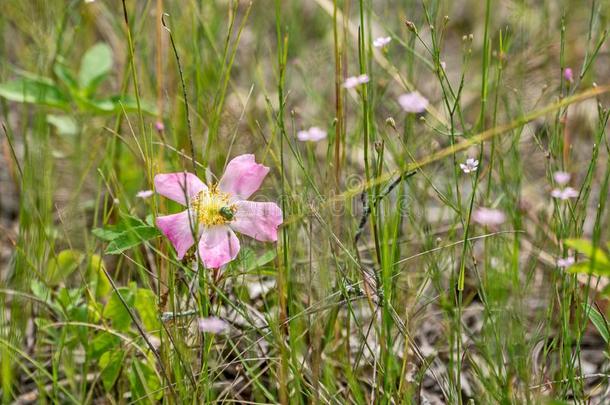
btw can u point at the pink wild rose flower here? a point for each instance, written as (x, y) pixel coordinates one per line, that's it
(215, 213)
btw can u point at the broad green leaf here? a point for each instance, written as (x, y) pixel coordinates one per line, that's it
(586, 247)
(146, 304)
(36, 91)
(129, 233)
(111, 363)
(65, 124)
(99, 105)
(65, 75)
(144, 382)
(61, 266)
(150, 220)
(130, 221)
(69, 297)
(40, 290)
(102, 343)
(94, 66)
(112, 232)
(598, 269)
(598, 321)
(263, 259)
(78, 313)
(115, 309)
(120, 104)
(250, 261)
(108, 234)
(130, 104)
(98, 276)
(131, 238)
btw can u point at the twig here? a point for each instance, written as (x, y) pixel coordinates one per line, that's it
(186, 102)
(367, 208)
(140, 329)
(582, 377)
(14, 155)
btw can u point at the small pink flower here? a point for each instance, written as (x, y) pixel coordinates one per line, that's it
(381, 42)
(470, 166)
(413, 102)
(159, 126)
(564, 193)
(568, 75)
(566, 262)
(488, 216)
(355, 81)
(213, 325)
(214, 214)
(561, 178)
(313, 134)
(145, 194)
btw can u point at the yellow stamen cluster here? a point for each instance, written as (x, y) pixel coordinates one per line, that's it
(207, 207)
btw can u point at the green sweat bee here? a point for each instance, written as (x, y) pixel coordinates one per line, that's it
(227, 213)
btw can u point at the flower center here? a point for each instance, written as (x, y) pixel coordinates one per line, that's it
(212, 207)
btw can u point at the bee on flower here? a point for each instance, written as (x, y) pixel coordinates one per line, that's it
(213, 214)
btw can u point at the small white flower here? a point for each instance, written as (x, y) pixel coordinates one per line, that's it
(413, 102)
(564, 193)
(381, 42)
(354, 81)
(213, 325)
(566, 262)
(488, 216)
(561, 178)
(313, 134)
(443, 65)
(470, 166)
(145, 194)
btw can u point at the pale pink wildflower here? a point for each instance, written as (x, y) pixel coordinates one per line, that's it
(488, 216)
(413, 102)
(470, 166)
(355, 81)
(564, 193)
(313, 134)
(159, 126)
(215, 213)
(381, 42)
(561, 178)
(213, 325)
(568, 75)
(566, 262)
(145, 194)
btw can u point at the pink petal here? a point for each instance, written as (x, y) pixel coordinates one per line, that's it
(145, 194)
(172, 186)
(213, 325)
(177, 228)
(259, 220)
(413, 102)
(218, 246)
(488, 216)
(243, 176)
(562, 178)
(313, 134)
